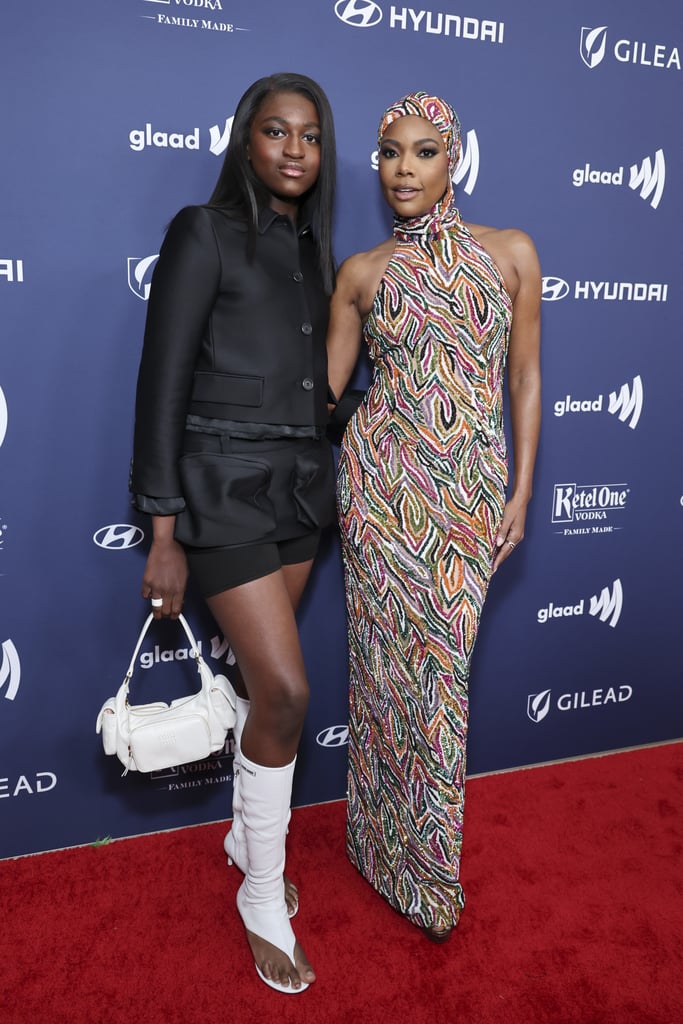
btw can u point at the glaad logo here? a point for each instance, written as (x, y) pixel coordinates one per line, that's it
(140, 138)
(140, 275)
(222, 647)
(647, 177)
(468, 165)
(627, 403)
(606, 605)
(118, 536)
(3, 530)
(3, 417)
(12, 270)
(10, 670)
(593, 46)
(154, 657)
(334, 736)
(219, 139)
(538, 705)
(359, 13)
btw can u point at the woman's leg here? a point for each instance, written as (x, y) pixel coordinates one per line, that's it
(296, 577)
(258, 620)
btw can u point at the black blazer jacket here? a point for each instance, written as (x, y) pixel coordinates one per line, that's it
(229, 340)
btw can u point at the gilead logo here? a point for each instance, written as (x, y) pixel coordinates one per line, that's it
(41, 782)
(538, 705)
(140, 275)
(593, 47)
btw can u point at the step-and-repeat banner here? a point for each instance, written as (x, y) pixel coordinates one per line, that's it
(114, 114)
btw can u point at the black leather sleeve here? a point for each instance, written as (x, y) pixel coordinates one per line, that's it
(184, 288)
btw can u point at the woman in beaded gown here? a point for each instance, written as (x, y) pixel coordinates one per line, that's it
(421, 498)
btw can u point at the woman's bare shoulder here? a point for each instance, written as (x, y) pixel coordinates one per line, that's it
(359, 275)
(513, 252)
(361, 264)
(510, 239)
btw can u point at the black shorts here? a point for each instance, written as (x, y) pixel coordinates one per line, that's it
(214, 570)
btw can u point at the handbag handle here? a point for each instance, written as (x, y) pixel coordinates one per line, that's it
(143, 634)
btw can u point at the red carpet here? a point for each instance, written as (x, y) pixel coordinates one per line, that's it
(574, 880)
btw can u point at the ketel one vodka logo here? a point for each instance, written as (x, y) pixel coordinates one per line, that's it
(587, 504)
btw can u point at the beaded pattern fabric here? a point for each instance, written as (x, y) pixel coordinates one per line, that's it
(421, 488)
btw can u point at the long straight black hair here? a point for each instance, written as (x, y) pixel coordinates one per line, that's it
(239, 190)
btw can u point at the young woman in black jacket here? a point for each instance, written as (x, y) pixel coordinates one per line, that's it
(230, 457)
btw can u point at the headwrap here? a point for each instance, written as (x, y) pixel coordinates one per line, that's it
(444, 118)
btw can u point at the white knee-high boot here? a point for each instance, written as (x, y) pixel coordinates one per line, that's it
(235, 843)
(266, 795)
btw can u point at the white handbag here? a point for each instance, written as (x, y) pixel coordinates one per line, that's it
(148, 737)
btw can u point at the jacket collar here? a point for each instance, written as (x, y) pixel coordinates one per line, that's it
(267, 217)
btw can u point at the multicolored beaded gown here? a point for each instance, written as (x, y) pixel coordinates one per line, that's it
(422, 478)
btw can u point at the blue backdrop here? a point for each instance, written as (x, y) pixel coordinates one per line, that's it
(115, 113)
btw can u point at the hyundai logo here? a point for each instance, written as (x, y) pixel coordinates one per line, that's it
(358, 13)
(334, 736)
(118, 536)
(554, 288)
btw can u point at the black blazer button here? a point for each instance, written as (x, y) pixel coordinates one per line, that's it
(298, 276)
(307, 384)
(307, 328)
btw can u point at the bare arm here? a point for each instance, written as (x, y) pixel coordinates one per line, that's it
(345, 330)
(524, 387)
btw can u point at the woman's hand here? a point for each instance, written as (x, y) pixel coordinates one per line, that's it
(166, 572)
(511, 531)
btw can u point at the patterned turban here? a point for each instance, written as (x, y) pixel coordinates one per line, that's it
(438, 111)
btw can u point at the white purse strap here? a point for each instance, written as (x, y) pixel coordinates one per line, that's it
(143, 634)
